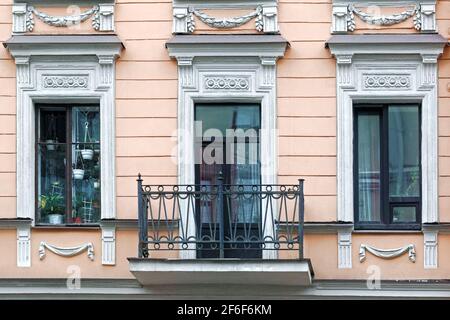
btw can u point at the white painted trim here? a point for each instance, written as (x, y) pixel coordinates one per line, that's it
(387, 253)
(98, 71)
(265, 14)
(418, 64)
(344, 249)
(195, 66)
(430, 249)
(108, 245)
(24, 246)
(24, 16)
(66, 251)
(421, 13)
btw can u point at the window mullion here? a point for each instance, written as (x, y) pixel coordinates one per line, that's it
(385, 165)
(69, 163)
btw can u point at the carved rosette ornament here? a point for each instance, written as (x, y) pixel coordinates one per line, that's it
(386, 81)
(65, 81)
(226, 83)
(383, 20)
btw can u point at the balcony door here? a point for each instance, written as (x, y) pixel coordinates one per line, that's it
(228, 154)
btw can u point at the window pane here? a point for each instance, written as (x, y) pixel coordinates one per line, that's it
(51, 183)
(404, 214)
(86, 165)
(404, 152)
(239, 154)
(52, 125)
(369, 167)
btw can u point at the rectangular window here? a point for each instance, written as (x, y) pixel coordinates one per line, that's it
(68, 164)
(387, 166)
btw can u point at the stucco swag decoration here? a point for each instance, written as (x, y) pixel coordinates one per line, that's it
(24, 14)
(67, 251)
(225, 23)
(63, 21)
(387, 253)
(383, 20)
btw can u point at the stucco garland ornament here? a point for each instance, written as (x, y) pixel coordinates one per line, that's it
(63, 21)
(387, 253)
(383, 20)
(225, 23)
(68, 251)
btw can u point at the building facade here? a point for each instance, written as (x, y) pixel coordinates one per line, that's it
(118, 176)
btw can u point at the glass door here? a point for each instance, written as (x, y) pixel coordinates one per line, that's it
(228, 149)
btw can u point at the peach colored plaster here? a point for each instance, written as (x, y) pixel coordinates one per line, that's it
(146, 106)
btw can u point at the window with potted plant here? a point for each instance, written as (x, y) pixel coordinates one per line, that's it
(68, 153)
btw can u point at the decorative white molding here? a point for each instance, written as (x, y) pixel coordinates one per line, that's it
(270, 19)
(65, 21)
(428, 17)
(229, 23)
(19, 12)
(266, 19)
(198, 64)
(23, 246)
(359, 61)
(340, 18)
(227, 83)
(108, 245)
(105, 17)
(23, 18)
(430, 249)
(387, 253)
(65, 81)
(383, 20)
(36, 61)
(66, 251)
(345, 250)
(344, 12)
(386, 81)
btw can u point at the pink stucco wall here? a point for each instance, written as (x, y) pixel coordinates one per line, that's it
(146, 107)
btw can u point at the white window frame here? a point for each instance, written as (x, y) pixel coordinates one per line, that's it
(254, 63)
(411, 64)
(63, 58)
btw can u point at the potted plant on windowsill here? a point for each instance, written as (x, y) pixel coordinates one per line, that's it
(51, 205)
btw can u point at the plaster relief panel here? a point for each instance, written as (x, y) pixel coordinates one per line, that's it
(189, 16)
(28, 17)
(350, 15)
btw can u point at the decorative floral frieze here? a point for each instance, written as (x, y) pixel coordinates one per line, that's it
(423, 16)
(63, 21)
(383, 20)
(226, 23)
(386, 81)
(102, 18)
(65, 81)
(67, 251)
(184, 19)
(226, 83)
(387, 253)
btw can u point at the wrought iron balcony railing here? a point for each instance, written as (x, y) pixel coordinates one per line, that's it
(221, 220)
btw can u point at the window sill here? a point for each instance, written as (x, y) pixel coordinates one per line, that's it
(92, 226)
(387, 231)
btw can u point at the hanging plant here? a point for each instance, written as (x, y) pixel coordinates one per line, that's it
(51, 134)
(78, 169)
(87, 153)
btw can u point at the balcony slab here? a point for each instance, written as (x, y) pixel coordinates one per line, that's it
(156, 272)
